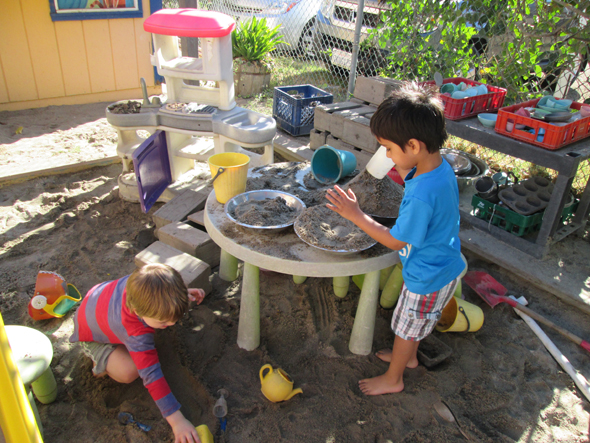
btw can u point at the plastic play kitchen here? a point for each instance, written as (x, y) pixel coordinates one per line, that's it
(276, 385)
(196, 119)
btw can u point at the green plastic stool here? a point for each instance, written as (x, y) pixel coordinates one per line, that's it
(32, 352)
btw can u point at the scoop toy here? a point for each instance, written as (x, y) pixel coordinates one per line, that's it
(53, 297)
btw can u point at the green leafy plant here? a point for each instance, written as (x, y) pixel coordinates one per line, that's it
(529, 44)
(253, 40)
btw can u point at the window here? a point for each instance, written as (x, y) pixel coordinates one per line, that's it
(94, 9)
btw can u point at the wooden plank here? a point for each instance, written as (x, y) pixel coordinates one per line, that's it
(317, 138)
(337, 118)
(100, 59)
(16, 56)
(122, 33)
(358, 133)
(59, 169)
(180, 207)
(74, 63)
(3, 89)
(362, 157)
(195, 273)
(374, 89)
(197, 217)
(192, 241)
(290, 149)
(323, 112)
(43, 47)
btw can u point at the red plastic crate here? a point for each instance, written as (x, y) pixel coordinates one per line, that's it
(555, 137)
(460, 108)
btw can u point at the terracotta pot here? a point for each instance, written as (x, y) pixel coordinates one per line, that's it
(251, 78)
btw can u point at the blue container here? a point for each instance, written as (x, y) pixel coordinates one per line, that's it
(294, 107)
(328, 164)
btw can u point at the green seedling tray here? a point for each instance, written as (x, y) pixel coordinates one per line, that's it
(513, 222)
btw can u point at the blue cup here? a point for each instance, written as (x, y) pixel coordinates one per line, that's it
(448, 87)
(328, 164)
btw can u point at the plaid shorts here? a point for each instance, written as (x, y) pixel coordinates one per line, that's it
(416, 315)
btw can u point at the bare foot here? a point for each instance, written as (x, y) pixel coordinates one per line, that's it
(385, 355)
(380, 385)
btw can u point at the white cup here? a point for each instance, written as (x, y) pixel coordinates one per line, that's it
(380, 164)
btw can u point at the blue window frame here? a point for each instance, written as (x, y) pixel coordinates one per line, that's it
(94, 9)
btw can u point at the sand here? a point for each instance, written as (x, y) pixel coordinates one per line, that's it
(500, 382)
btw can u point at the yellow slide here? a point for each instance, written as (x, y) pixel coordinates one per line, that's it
(16, 416)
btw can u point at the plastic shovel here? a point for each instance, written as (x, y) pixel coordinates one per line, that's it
(493, 293)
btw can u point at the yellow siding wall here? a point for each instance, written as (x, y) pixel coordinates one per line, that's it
(46, 63)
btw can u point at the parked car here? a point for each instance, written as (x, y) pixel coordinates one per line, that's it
(296, 18)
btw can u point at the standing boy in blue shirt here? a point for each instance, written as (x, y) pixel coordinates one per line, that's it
(411, 126)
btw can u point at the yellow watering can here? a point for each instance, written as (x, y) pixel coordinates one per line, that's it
(276, 385)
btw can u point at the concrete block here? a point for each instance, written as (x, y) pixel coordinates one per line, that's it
(195, 273)
(357, 132)
(374, 89)
(180, 207)
(317, 138)
(192, 241)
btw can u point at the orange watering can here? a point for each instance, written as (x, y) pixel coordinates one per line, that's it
(53, 297)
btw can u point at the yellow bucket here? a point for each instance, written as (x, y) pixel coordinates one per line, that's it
(460, 316)
(232, 181)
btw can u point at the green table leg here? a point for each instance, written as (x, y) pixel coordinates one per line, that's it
(249, 326)
(299, 279)
(361, 338)
(45, 387)
(228, 266)
(341, 285)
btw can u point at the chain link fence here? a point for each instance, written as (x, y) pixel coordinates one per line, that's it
(531, 48)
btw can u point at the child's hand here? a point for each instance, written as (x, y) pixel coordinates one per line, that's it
(344, 203)
(196, 294)
(184, 431)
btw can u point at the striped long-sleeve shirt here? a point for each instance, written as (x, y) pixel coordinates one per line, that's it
(103, 317)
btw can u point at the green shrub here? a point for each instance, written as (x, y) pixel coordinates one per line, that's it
(252, 40)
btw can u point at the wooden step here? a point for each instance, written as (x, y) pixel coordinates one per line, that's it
(195, 273)
(192, 241)
(374, 89)
(180, 207)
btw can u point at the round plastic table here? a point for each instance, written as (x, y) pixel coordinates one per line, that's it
(284, 252)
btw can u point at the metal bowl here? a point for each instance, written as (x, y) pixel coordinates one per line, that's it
(340, 252)
(260, 195)
(479, 169)
(458, 160)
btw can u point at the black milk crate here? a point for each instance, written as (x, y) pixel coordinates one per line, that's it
(294, 106)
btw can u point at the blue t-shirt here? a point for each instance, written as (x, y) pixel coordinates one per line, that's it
(429, 222)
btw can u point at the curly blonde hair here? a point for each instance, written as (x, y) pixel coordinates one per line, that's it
(157, 291)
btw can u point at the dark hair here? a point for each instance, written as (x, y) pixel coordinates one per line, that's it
(412, 111)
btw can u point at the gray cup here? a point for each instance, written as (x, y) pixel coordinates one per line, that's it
(487, 189)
